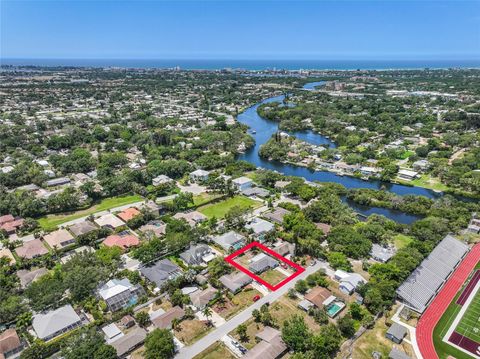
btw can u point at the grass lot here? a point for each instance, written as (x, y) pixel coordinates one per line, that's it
(374, 340)
(281, 310)
(426, 181)
(215, 351)
(219, 209)
(252, 329)
(203, 198)
(51, 222)
(285, 307)
(273, 276)
(239, 302)
(138, 353)
(443, 349)
(401, 240)
(189, 331)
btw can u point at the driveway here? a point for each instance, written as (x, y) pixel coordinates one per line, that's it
(193, 188)
(190, 351)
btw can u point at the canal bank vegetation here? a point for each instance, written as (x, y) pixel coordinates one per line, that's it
(446, 206)
(384, 126)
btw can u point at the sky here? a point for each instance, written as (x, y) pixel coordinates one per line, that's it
(248, 29)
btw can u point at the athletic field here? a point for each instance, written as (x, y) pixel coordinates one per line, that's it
(469, 325)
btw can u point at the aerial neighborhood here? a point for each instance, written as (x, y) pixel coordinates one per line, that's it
(125, 195)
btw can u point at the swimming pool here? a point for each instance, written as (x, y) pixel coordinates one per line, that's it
(334, 308)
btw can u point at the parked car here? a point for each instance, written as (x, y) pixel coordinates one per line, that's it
(257, 297)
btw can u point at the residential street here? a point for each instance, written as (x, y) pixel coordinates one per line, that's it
(190, 351)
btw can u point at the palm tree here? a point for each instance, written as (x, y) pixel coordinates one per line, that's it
(175, 323)
(207, 312)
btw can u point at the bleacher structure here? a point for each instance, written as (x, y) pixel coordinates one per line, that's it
(426, 280)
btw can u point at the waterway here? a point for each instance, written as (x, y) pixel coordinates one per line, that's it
(262, 129)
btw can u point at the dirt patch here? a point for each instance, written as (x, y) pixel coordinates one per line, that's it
(189, 331)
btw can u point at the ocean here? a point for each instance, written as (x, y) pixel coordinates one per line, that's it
(250, 64)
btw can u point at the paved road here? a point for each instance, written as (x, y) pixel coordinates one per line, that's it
(190, 351)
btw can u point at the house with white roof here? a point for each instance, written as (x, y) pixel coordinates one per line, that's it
(348, 281)
(162, 179)
(230, 240)
(260, 228)
(199, 175)
(407, 175)
(120, 293)
(55, 322)
(242, 183)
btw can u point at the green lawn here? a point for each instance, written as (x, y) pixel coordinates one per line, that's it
(204, 198)
(427, 181)
(407, 154)
(401, 240)
(273, 276)
(51, 222)
(219, 209)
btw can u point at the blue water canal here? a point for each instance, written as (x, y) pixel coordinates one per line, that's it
(262, 129)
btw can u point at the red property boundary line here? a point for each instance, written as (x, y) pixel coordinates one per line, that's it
(435, 310)
(231, 257)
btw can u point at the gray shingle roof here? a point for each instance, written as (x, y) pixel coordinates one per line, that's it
(397, 354)
(193, 255)
(229, 239)
(263, 263)
(129, 341)
(235, 281)
(160, 272)
(398, 331)
(46, 324)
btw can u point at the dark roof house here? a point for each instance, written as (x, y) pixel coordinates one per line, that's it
(129, 342)
(160, 272)
(194, 255)
(235, 281)
(271, 345)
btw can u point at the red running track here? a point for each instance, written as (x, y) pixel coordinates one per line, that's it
(435, 310)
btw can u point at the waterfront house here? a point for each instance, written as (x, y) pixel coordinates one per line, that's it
(407, 175)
